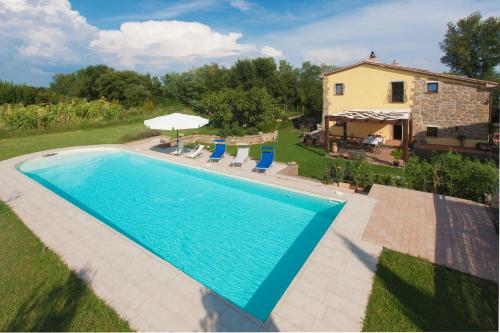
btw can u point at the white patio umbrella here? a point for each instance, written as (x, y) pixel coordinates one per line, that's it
(176, 121)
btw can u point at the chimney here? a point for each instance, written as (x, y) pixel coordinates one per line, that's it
(395, 62)
(373, 57)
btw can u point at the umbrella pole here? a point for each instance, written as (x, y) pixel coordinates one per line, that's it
(177, 142)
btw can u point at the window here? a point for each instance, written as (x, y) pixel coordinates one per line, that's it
(432, 131)
(398, 92)
(339, 88)
(432, 87)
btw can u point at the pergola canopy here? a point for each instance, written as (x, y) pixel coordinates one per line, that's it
(384, 116)
(373, 115)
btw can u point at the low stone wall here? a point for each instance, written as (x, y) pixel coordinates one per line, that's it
(232, 140)
(290, 170)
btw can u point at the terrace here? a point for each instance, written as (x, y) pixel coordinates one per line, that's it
(375, 149)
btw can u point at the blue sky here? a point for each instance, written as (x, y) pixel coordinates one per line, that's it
(40, 38)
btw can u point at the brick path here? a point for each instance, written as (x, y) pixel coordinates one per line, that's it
(453, 232)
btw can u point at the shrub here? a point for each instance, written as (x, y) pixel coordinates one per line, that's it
(233, 130)
(397, 154)
(454, 175)
(448, 174)
(148, 105)
(357, 172)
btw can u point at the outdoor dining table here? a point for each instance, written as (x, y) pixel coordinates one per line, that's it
(372, 141)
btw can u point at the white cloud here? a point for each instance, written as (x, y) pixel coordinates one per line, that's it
(270, 51)
(43, 31)
(38, 37)
(158, 42)
(407, 31)
(241, 4)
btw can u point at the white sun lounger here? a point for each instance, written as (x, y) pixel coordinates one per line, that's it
(195, 152)
(241, 156)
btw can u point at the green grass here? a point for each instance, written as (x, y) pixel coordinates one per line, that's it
(15, 146)
(412, 294)
(39, 293)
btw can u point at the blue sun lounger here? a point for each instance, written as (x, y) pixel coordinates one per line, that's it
(220, 149)
(267, 158)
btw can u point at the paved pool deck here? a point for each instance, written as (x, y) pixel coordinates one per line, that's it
(330, 293)
(452, 232)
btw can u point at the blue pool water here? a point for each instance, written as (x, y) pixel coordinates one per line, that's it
(241, 239)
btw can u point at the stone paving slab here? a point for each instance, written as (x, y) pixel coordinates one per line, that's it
(330, 292)
(452, 232)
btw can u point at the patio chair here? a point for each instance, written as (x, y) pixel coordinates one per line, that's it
(220, 149)
(266, 160)
(241, 157)
(195, 152)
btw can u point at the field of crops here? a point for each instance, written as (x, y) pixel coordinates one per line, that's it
(70, 112)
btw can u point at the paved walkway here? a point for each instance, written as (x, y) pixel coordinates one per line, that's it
(329, 293)
(453, 232)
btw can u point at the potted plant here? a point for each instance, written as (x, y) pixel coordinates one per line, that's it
(341, 177)
(398, 155)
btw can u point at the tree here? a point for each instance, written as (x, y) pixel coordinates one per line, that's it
(291, 88)
(239, 107)
(472, 46)
(94, 82)
(81, 83)
(311, 89)
(288, 80)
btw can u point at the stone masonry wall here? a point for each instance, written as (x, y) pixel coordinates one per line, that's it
(233, 140)
(462, 105)
(326, 101)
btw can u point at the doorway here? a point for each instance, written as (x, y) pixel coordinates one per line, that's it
(397, 132)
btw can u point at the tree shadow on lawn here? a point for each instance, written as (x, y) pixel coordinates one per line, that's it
(50, 311)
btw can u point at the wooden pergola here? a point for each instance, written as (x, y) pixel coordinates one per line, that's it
(392, 117)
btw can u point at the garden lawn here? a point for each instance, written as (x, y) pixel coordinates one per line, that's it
(39, 293)
(412, 294)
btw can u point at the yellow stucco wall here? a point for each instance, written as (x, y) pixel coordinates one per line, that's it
(366, 87)
(363, 129)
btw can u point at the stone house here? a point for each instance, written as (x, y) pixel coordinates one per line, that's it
(405, 105)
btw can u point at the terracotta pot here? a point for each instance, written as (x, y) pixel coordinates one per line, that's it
(359, 189)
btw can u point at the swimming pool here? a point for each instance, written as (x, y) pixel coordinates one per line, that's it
(243, 240)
